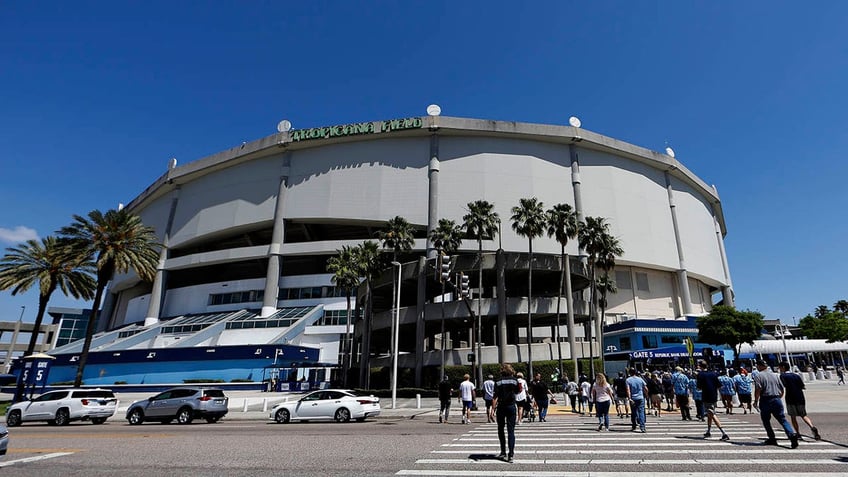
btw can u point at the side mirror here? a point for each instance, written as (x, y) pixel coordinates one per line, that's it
(150, 399)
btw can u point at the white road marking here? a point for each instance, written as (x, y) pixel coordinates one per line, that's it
(493, 461)
(34, 459)
(541, 473)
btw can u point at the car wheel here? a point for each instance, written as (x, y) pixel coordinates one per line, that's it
(136, 417)
(62, 417)
(282, 416)
(212, 419)
(13, 419)
(342, 415)
(98, 420)
(185, 415)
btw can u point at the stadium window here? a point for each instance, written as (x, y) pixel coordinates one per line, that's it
(622, 280)
(624, 343)
(649, 341)
(642, 282)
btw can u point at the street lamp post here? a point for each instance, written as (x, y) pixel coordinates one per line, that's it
(784, 330)
(395, 337)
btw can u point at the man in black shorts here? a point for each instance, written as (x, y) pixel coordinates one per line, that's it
(506, 387)
(796, 404)
(622, 404)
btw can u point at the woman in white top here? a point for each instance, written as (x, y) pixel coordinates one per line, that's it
(603, 396)
(521, 397)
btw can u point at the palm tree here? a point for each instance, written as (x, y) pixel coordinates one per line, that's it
(397, 236)
(604, 285)
(368, 262)
(345, 276)
(528, 220)
(841, 306)
(480, 221)
(610, 249)
(117, 242)
(590, 234)
(562, 225)
(52, 266)
(446, 237)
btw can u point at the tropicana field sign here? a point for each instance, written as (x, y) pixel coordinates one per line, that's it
(356, 129)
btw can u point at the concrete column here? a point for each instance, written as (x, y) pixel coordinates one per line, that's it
(569, 304)
(682, 277)
(157, 294)
(433, 195)
(419, 322)
(575, 184)
(727, 290)
(272, 274)
(502, 330)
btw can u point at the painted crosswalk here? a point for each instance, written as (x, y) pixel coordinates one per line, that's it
(572, 445)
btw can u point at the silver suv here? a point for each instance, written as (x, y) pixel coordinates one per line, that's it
(182, 404)
(63, 406)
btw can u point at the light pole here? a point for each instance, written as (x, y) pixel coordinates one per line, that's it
(395, 337)
(784, 330)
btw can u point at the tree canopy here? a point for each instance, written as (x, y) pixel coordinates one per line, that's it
(824, 323)
(727, 325)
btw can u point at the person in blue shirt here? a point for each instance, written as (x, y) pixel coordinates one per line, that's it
(696, 396)
(743, 385)
(680, 382)
(727, 392)
(637, 390)
(709, 385)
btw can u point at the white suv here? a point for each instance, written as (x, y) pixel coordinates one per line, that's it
(63, 406)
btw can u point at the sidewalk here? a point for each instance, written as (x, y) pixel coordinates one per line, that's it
(823, 396)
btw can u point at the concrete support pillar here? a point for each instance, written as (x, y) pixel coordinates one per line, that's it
(500, 264)
(682, 277)
(433, 194)
(727, 290)
(157, 294)
(272, 273)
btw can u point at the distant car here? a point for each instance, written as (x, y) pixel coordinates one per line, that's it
(4, 439)
(340, 405)
(182, 404)
(63, 406)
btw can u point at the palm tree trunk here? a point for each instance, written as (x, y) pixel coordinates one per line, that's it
(569, 304)
(591, 320)
(42, 306)
(346, 359)
(559, 300)
(89, 331)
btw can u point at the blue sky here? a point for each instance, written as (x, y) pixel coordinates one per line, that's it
(98, 96)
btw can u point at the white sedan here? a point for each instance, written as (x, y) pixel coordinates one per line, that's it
(4, 439)
(340, 405)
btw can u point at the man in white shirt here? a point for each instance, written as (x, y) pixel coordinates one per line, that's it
(466, 397)
(488, 396)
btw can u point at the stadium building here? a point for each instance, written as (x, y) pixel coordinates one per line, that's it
(247, 233)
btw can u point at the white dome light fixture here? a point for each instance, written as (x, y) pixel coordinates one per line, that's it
(669, 151)
(574, 121)
(434, 110)
(284, 126)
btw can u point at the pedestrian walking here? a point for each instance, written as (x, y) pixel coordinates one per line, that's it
(709, 385)
(840, 373)
(668, 391)
(488, 397)
(727, 391)
(681, 392)
(637, 390)
(521, 396)
(541, 394)
(768, 391)
(603, 396)
(445, 396)
(571, 389)
(506, 388)
(796, 404)
(697, 396)
(466, 398)
(655, 393)
(622, 406)
(743, 385)
(585, 397)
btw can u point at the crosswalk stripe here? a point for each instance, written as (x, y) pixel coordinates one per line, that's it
(630, 451)
(493, 461)
(542, 473)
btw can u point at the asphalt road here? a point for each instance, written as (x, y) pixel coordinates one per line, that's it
(420, 446)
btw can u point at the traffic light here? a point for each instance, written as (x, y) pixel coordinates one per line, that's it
(444, 268)
(463, 285)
